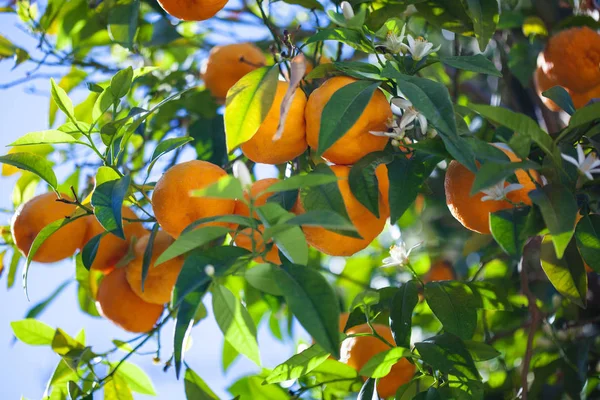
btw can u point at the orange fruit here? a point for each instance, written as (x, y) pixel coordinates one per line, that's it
(192, 10)
(174, 207)
(471, 211)
(367, 225)
(570, 60)
(242, 239)
(440, 271)
(117, 302)
(33, 216)
(357, 141)
(227, 64)
(112, 248)
(261, 148)
(161, 279)
(357, 351)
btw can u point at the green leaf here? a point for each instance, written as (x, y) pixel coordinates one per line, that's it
(107, 201)
(477, 63)
(401, 311)
(507, 227)
(64, 103)
(587, 234)
(227, 187)
(89, 251)
(492, 173)
(135, 377)
(41, 306)
(298, 365)
(406, 177)
(490, 295)
(448, 354)
(481, 351)
(567, 274)
(484, 14)
(12, 270)
(235, 322)
(381, 364)
(196, 388)
(121, 83)
(33, 332)
(584, 116)
(103, 103)
(116, 388)
(64, 344)
(454, 304)
(123, 22)
(313, 302)
(521, 124)
(559, 210)
(191, 240)
(363, 180)
(352, 38)
(33, 163)
(248, 103)
(308, 4)
(342, 110)
(367, 391)
(326, 219)
(262, 277)
(147, 259)
(166, 146)
(290, 241)
(52, 136)
(561, 97)
(106, 174)
(193, 275)
(184, 322)
(302, 181)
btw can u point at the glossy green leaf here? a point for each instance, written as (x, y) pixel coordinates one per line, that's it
(381, 364)
(262, 277)
(363, 180)
(476, 63)
(248, 103)
(184, 321)
(44, 137)
(89, 251)
(367, 391)
(121, 82)
(507, 227)
(454, 304)
(302, 181)
(61, 99)
(136, 378)
(235, 322)
(33, 332)
(298, 365)
(116, 388)
(352, 38)
(123, 22)
(448, 354)
(401, 311)
(587, 234)
(481, 351)
(227, 187)
(107, 201)
(166, 146)
(484, 14)
(31, 162)
(147, 259)
(561, 97)
(290, 241)
(196, 388)
(191, 240)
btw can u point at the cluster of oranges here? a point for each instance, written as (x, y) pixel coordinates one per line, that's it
(120, 296)
(571, 59)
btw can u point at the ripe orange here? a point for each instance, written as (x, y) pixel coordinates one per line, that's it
(440, 271)
(367, 225)
(118, 303)
(570, 60)
(262, 149)
(160, 279)
(192, 10)
(173, 206)
(112, 248)
(242, 239)
(469, 210)
(34, 215)
(357, 351)
(227, 64)
(357, 141)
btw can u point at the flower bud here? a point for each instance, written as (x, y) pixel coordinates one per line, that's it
(241, 172)
(347, 10)
(209, 270)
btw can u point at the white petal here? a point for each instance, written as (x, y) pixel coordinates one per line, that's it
(401, 103)
(436, 49)
(426, 47)
(379, 133)
(406, 119)
(588, 174)
(411, 41)
(580, 154)
(347, 10)
(488, 198)
(512, 187)
(241, 172)
(422, 122)
(570, 159)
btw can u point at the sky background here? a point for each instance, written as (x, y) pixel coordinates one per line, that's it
(26, 369)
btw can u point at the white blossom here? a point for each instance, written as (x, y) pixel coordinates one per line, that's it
(409, 114)
(209, 270)
(393, 132)
(499, 191)
(419, 48)
(586, 165)
(347, 10)
(394, 43)
(399, 255)
(241, 172)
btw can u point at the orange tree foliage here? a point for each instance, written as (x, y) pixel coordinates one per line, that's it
(485, 287)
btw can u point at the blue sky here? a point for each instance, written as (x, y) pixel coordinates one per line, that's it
(26, 369)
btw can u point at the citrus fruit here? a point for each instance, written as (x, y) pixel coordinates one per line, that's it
(161, 279)
(440, 271)
(227, 64)
(192, 10)
(33, 216)
(357, 141)
(117, 302)
(261, 148)
(174, 207)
